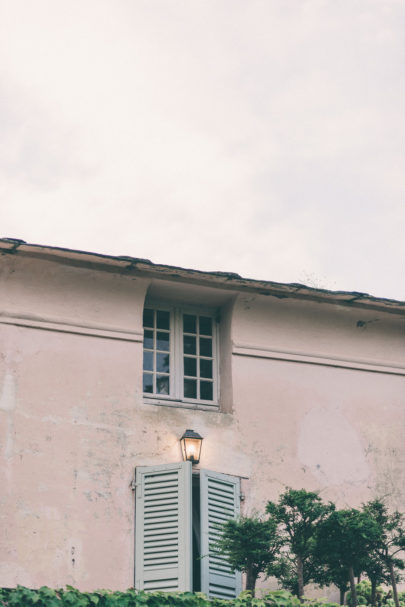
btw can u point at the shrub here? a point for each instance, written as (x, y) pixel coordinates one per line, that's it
(71, 597)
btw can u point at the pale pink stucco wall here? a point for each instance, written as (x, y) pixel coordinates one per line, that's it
(310, 399)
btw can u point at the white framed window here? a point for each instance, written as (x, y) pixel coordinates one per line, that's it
(180, 355)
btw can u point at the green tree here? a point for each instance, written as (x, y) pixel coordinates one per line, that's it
(298, 512)
(335, 574)
(251, 544)
(376, 572)
(385, 559)
(344, 541)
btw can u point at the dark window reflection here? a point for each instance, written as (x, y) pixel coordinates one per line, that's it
(190, 345)
(147, 318)
(206, 390)
(148, 340)
(190, 366)
(205, 325)
(163, 341)
(205, 368)
(148, 382)
(190, 388)
(205, 346)
(189, 323)
(162, 319)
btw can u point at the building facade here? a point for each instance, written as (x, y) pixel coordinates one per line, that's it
(106, 361)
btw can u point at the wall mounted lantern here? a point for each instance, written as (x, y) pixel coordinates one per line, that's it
(191, 446)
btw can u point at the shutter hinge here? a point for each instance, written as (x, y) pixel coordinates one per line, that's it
(136, 486)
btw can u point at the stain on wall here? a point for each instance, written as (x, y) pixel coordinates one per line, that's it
(331, 448)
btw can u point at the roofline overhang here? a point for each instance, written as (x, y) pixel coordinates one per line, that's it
(223, 280)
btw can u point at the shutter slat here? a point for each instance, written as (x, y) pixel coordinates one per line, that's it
(169, 505)
(219, 502)
(163, 528)
(164, 524)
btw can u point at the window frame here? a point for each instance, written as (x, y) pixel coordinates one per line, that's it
(176, 397)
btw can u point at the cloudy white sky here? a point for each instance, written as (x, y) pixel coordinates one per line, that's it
(264, 137)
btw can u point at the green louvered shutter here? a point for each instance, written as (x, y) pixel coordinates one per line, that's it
(163, 555)
(220, 501)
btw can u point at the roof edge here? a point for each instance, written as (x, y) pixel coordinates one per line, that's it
(228, 280)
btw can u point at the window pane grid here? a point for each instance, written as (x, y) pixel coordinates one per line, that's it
(156, 358)
(197, 346)
(179, 355)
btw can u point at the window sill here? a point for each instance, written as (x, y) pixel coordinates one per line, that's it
(183, 404)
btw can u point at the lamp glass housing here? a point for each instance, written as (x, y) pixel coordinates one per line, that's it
(191, 446)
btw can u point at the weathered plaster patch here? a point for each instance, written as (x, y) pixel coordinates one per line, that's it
(330, 447)
(8, 391)
(8, 404)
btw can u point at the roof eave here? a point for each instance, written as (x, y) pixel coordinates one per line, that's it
(222, 280)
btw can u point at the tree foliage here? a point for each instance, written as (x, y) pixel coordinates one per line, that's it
(71, 597)
(298, 512)
(312, 541)
(344, 541)
(251, 545)
(385, 563)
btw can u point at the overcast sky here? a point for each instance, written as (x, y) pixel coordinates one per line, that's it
(263, 137)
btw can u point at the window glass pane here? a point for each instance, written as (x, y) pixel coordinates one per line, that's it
(190, 388)
(205, 346)
(197, 369)
(162, 384)
(189, 344)
(163, 363)
(148, 340)
(206, 390)
(162, 341)
(162, 319)
(190, 323)
(147, 318)
(205, 325)
(205, 368)
(148, 382)
(190, 366)
(148, 361)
